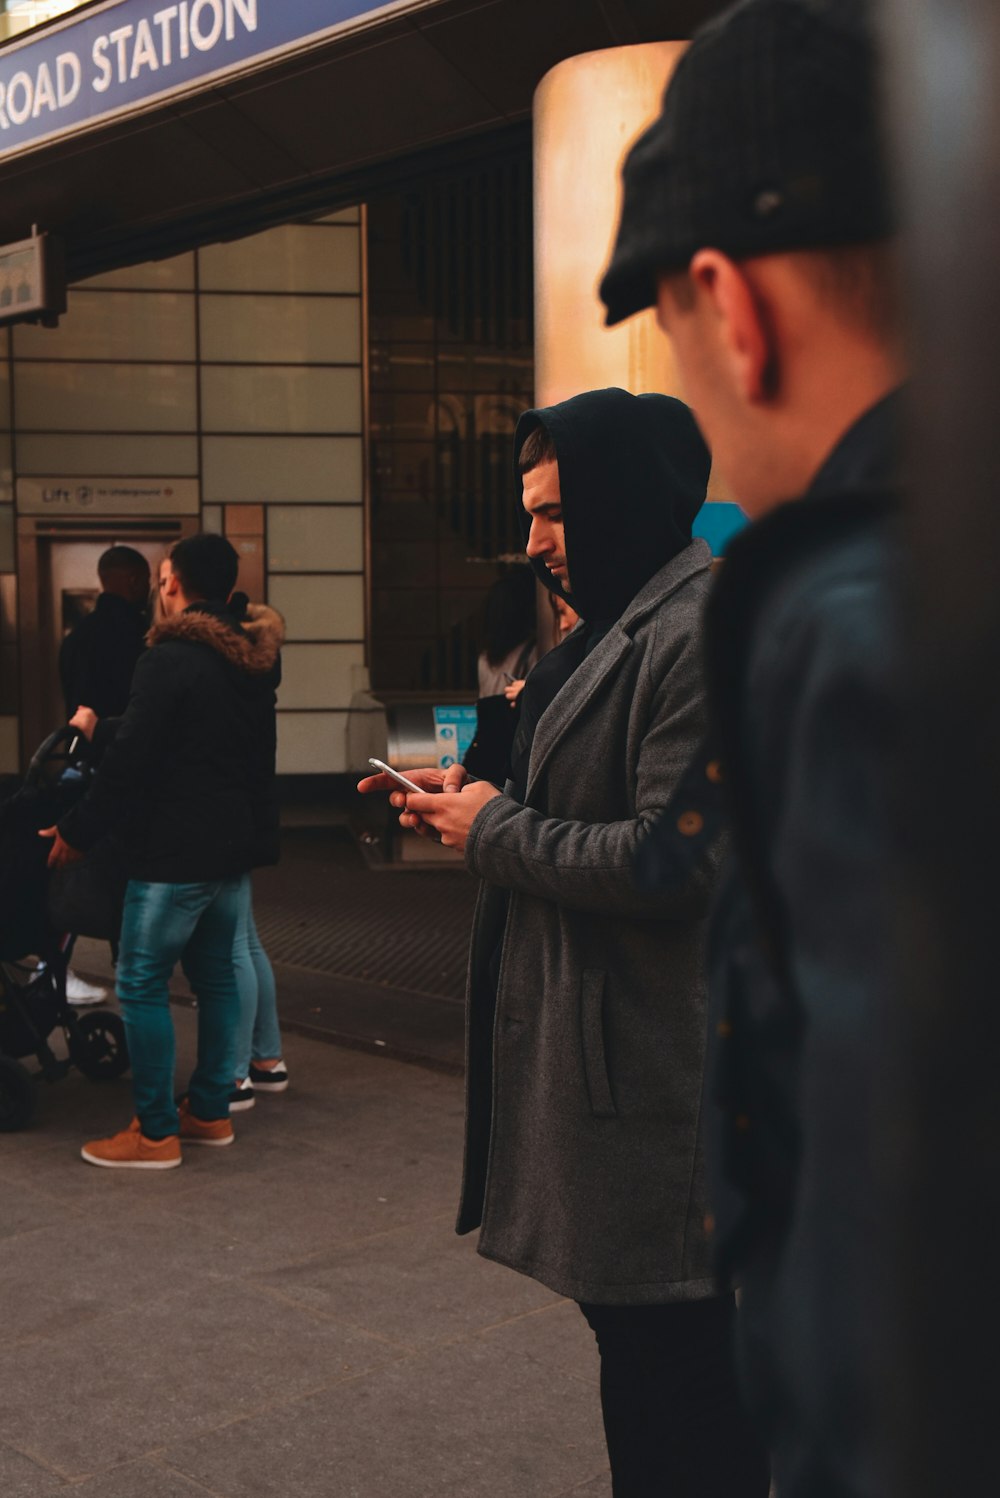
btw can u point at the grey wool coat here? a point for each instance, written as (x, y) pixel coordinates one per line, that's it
(585, 1054)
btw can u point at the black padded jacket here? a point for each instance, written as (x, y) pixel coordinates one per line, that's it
(187, 781)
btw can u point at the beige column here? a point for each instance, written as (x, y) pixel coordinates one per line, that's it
(588, 111)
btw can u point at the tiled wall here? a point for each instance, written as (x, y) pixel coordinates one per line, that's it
(240, 366)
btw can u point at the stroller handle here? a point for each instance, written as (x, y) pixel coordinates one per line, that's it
(48, 751)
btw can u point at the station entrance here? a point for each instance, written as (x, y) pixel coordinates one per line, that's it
(58, 585)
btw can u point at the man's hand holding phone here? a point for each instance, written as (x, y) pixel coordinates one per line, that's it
(399, 784)
(421, 810)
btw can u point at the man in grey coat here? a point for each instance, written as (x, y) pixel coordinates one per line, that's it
(586, 1002)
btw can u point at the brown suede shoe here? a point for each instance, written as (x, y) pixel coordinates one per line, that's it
(215, 1131)
(131, 1150)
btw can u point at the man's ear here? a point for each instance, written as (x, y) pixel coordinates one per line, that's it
(743, 328)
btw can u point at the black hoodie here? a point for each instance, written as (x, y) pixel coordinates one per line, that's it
(633, 470)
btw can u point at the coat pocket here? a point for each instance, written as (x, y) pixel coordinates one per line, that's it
(595, 1064)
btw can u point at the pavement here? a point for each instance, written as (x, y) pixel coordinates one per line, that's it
(292, 1316)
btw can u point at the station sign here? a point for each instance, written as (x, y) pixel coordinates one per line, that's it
(128, 54)
(107, 496)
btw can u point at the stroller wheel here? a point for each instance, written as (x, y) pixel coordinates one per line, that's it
(17, 1095)
(98, 1046)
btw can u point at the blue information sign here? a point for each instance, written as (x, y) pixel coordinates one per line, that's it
(454, 730)
(128, 53)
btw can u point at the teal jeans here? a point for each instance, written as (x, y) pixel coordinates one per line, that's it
(198, 926)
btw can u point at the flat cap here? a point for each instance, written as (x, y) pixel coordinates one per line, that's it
(768, 139)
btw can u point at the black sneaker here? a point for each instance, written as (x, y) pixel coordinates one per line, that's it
(241, 1098)
(269, 1078)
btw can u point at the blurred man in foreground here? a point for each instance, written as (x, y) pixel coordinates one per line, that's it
(756, 220)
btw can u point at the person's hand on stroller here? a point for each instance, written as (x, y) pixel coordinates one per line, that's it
(85, 719)
(61, 853)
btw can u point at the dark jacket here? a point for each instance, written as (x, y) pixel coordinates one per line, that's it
(800, 667)
(97, 657)
(586, 1046)
(188, 780)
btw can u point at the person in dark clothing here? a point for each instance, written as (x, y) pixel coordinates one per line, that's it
(187, 781)
(756, 218)
(98, 656)
(586, 1000)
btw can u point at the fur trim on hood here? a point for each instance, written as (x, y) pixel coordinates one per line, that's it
(250, 644)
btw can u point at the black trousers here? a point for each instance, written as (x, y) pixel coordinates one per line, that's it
(673, 1417)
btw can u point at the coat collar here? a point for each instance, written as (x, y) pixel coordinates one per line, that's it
(250, 645)
(587, 679)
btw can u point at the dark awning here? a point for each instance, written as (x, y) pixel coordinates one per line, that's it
(326, 121)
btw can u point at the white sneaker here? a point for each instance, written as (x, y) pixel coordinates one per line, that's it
(269, 1078)
(79, 992)
(242, 1096)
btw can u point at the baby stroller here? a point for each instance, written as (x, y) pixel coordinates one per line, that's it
(41, 916)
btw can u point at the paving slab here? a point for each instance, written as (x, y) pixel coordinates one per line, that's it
(147, 1479)
(418, 1285)
(464, 1421)
(291, 1316)
(20, 1477)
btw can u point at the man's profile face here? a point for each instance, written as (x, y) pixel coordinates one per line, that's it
(170, 598)
(542, 501)
(138, 587)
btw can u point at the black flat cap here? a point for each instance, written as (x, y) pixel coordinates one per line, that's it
(768, 139)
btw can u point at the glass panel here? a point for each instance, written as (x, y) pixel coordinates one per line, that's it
(8, 746)
(294, 257)
(133, 325)
(451, 360)
(318, 675)
(176, 274)
(99, 456)
(280, 398)
(312, 743)
(319, 608)
(281, 329)
(401, 366)
(4, 395)
(7, 562)
(105, 397)
(211, 519)
(314, 538)
(6, 469)
(282, 469)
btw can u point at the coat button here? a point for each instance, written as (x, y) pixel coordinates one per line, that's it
(723, 1029)
(690, 823)
(713, 772)
(742, 1122)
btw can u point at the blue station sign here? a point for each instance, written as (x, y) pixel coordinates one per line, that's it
(130, 53)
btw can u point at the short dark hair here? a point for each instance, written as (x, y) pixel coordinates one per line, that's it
(206, 566)
(121, 559)
(538, 449)
(859, 282)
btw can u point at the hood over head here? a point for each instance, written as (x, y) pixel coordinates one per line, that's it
(633, 471)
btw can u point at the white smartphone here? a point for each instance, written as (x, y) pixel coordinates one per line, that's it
(408, 785)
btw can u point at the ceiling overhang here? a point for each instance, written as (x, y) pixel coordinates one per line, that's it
(349, 107)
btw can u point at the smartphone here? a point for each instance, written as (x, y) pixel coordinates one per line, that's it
(408, 785)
